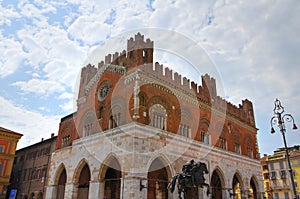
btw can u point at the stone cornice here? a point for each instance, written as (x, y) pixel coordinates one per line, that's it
(11, 135)
(142, 131)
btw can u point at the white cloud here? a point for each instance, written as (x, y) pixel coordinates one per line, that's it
(41, 87)
(66, 96)
(32, 125)
(31, 10)
(89, 30)
(11, 56)
(255, 45)
(253, 48)
(6, 14)
(68, 107)
(42, 108)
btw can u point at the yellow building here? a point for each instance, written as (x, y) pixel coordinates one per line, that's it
(8, 144)
(295, 160)
(277, 184)
(265, 172)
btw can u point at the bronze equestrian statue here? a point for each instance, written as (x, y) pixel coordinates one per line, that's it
(192, 176)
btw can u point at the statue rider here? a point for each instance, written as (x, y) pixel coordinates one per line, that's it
(188, 170)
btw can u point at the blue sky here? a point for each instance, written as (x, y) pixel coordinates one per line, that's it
(255, 47)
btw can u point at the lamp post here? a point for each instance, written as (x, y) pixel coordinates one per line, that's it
(279, 118)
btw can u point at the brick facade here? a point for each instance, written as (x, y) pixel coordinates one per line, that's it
(8, 145)
(30, 169)
(139, 116)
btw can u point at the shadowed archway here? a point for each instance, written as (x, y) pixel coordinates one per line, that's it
(217, 184)
(157, 180)
(253, 188)
(61, 184)
(110, 178)
(84, 182)
(237, 186)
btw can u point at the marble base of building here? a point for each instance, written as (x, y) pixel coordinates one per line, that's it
(138, 161)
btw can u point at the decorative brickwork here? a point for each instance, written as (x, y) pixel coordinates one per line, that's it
(140, 114)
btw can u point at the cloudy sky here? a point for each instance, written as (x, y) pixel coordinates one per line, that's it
(254, 45)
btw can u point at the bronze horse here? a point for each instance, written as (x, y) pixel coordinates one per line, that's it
(186, 182)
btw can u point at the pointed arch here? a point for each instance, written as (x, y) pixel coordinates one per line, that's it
(187, 124)
(158, 110)
(117, 113)
(238, 175)
(60, 180)
(158, 176)
(110, 161)
(217, 183)
(237, 185)
(31, 195)
(203, 131)
(82, 177)
(78, 170)
(158, 116)
(40, 195)
(88, 124)
(254, 187)
(58, 173)
(166, 162)
(220, 173)
(110, 175)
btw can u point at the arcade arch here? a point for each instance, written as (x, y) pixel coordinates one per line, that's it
(237, 186)
(110, 178)
(217, 184)
(157, 179)
(82, 178)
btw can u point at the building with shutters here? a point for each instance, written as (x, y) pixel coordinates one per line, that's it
(277, 183)
(8, 145)
(30, 169)
(138, 122)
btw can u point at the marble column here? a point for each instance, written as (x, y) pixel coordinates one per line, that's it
(51, 192)
(94, 190)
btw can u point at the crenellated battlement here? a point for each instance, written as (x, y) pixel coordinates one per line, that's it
(206, 92)
(87, 73)
(139, 43)
(140, 54)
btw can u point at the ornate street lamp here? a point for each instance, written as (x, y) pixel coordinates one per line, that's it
(279, 118)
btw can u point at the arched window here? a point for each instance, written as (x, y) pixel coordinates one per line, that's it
(223, 143)
(114, 120)
(142, 99)
(88, 121)
(204, 136)
(117, 113)
(101, 112)
(237, 141)
(145, 56)
(87, 129)
(185, 130)
(158, 116)
(186, 122)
